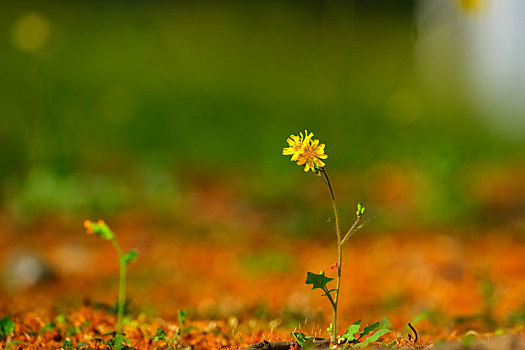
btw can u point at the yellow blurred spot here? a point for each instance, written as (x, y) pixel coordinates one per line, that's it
(471, 6)
(31, 32)
(275, 323)
(233, 321)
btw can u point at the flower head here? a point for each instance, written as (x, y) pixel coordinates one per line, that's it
(99, 228)
(311, 155)
(306, 151)
(296, 144)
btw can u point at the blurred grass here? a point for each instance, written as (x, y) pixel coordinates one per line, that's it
(122, 102)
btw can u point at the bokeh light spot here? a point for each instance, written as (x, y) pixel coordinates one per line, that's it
(30, 32)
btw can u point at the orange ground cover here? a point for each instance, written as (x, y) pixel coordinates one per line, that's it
(240, 290)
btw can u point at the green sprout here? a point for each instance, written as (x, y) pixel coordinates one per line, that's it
(174, 342)
(7, 326)
(103, 231)
(309, 152)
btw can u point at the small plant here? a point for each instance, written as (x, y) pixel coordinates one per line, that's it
(7, 326)
(176, 341)
(304, 340)
(310, 153)
(355, 339)
(102, 230)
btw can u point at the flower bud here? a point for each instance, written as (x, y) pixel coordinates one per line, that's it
(100, 229)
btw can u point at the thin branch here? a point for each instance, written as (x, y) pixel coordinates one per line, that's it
(354, 229)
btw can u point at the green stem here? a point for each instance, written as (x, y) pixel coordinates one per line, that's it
(335, 302)
(121, 295)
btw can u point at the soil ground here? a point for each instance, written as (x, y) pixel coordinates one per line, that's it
(241, 290)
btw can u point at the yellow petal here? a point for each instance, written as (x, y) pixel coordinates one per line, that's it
(306, 167)
(296, 155)
(308, 136)
(288, 151)
(319, 162)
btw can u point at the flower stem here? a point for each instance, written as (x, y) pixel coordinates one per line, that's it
(121, 295)
(333, 336)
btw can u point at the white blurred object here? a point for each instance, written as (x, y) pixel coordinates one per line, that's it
(475, 50)
(24, 269)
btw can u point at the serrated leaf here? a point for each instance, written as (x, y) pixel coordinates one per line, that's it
(351, 331)
(317, 280)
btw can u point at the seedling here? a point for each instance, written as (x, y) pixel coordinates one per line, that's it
(103, 231)
(355, 339)
(176, 341)
(309, 153)
(161, 336)
(7, 326)
(303, 339)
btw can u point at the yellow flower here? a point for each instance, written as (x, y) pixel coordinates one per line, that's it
(296, 144)
(311, 155)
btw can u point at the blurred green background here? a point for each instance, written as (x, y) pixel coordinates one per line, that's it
(136, 106)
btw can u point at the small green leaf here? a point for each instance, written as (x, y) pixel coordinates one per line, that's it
(61, 319)
(81, 344)
(419, 318)
(330, 329)
(130, 256)
(160, 335)
(467, 340)
(369, 329)
(299, 337)
(303, 339)
(67, 344)
(317, 280)
(7, 326)
(351, 331)
(373, 338)
(47, 327)
(385, 322)
(182, 318)
(72, 330)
